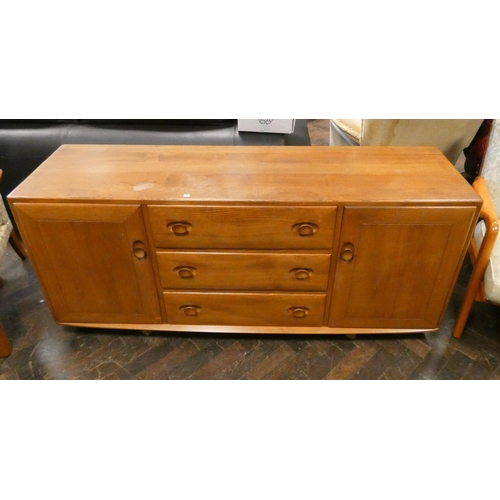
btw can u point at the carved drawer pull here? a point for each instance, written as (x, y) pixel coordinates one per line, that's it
(179, 228)
(347, 252)
(190, 310)
(139, 250)
(301, 273)
(186, 272)
(305, 229)
(299, 312)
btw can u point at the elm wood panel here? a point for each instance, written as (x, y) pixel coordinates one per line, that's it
(242, 174)
(84, 258)
(245, 309)
(244, 270)
(242, 227)
(396, 266)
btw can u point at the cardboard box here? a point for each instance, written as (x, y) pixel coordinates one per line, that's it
(269, 126)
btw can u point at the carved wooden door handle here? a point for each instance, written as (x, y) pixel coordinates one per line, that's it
(301, 273)
(347, 252)
(299, 312)
(191, 311)
(186, 272)
(305, 229)
(180, 228)
(139, 250)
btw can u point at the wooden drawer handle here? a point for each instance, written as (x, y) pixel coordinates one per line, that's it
(139, 250)
(299, 312)
(191, 311)
(301, 273)
(179, 228)
(305, 229)
(347, 252)
(186, 272)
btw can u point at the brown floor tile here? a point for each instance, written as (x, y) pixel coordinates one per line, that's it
(404, 365)
(109, 369)
(465, 348)
(296, 366)
(221, 366)
(8, 374)
(429, 367)
(159, 369)
(416, 345)
(324, 363)
(201, 342)
(392, 345)
(376, 365)
(195, 362)
(151, 356)
(456, 367)
(271, 362)
(353, 362)
(478, 371)
(250, 360)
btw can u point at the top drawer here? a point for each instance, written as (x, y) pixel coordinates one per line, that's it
(240, 227)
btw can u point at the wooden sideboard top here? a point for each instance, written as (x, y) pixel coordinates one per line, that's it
(247, 174)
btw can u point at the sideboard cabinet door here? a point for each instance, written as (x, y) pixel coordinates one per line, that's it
(396, 266)
(93, 261)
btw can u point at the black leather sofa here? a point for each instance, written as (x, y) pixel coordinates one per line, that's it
(25, 144)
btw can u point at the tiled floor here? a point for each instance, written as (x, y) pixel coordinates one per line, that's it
(44, 350)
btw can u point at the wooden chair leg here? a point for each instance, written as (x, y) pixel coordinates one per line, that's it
(5, 346)
(476, 277)
(17, 245)
(470, 296)
(492, 227)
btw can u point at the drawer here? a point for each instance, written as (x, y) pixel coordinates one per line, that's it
(245, 309)
(244, 271)
(241, 227)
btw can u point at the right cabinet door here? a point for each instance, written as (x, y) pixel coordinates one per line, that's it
(396, 266)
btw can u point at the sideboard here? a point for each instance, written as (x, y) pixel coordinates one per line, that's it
(247, 239)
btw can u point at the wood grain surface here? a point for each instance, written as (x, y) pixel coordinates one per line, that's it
(246, 174)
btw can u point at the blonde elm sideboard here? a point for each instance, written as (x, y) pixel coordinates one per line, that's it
(247, 239)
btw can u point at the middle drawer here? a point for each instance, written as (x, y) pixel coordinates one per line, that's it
(244, 271)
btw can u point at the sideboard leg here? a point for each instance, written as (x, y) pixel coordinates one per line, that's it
(17, 245)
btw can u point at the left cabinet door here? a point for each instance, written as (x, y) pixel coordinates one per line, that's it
(93, 261)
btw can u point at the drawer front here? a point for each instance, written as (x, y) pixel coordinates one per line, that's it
(244, 271)
(239, 227)
(245, 309)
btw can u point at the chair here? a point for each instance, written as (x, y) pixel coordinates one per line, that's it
(484, 249)
(7, 234)
(451, 137)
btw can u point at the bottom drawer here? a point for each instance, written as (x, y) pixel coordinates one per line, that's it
(245, 309)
